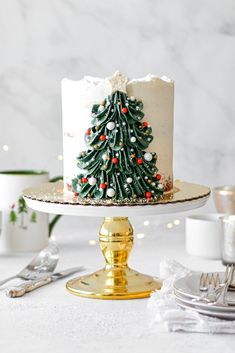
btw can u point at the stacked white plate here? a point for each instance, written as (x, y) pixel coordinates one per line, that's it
(188, 295)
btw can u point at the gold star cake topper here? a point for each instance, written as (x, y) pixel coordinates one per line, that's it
(118, 82)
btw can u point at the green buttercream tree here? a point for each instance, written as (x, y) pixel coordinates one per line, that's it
(116, 164)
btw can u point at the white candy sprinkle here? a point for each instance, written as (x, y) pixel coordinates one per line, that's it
(105, 157)
(110, 192)
(133, 139)
(148, 156)
(92, 181)
(78, 187)
(110, 125)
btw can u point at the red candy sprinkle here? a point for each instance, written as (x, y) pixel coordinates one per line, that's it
(124, 110)
(145, 124)
(84, 180)
(88, 132)
(148, 194)
(103, 186)
(158, 176)
(75, 193)
(114, 160)
(102, 137)
(139, 160)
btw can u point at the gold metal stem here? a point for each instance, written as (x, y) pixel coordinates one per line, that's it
(116, 241)
(116, 280)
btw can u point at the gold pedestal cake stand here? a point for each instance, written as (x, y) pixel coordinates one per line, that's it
(116, 280)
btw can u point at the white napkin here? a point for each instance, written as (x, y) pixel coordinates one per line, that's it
(168, 316)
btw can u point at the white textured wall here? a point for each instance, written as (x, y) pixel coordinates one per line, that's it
(42, 41)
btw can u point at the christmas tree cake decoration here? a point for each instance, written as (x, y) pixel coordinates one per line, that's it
(116, 165)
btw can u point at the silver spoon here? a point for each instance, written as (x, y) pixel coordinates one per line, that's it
(44, 263)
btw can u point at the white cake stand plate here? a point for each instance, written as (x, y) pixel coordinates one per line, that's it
(116, 280)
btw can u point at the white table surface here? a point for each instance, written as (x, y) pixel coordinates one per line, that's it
(52, 320)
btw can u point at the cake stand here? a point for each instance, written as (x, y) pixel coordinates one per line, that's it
(116, 280)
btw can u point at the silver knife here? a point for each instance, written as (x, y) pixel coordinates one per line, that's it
(30, 285)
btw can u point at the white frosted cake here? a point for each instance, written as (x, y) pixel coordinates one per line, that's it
(123, 128)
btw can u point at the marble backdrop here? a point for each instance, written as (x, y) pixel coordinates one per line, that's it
(193, 42)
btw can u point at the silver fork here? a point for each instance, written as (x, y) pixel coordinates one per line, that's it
(45, 262)
(209, 282)
(222, 297)
(216, 289)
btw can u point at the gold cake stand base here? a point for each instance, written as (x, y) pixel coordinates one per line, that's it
(116, 280)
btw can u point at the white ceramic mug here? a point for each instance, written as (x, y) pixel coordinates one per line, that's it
(22, 229)
(203, 236)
